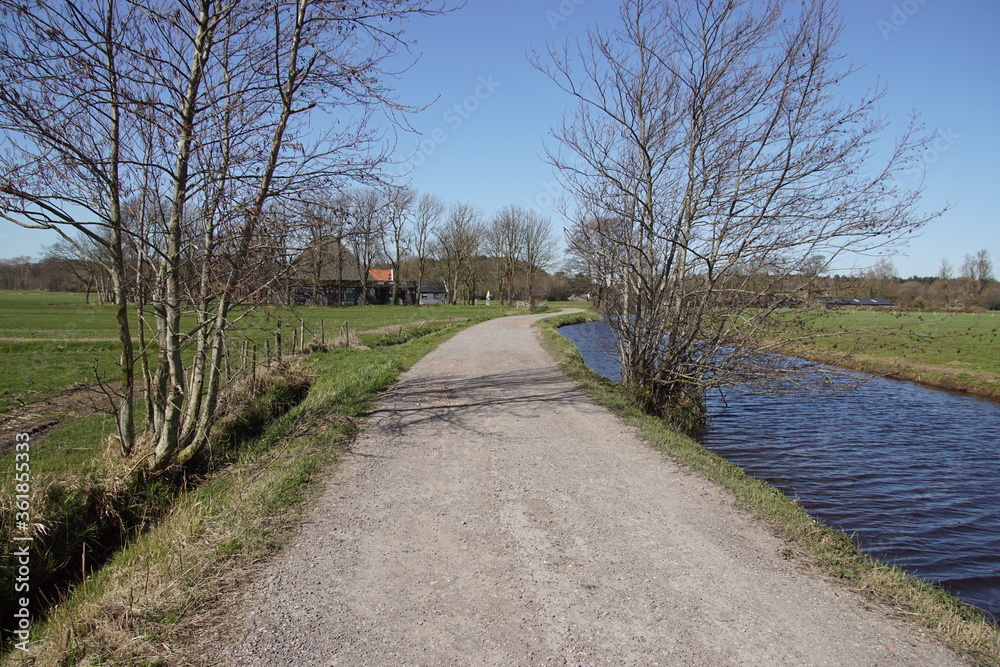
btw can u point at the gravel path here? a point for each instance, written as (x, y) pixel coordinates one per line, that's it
(491, 514)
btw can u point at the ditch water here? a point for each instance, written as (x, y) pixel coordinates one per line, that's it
(912, 472)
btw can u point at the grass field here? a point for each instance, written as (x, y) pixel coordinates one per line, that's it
(52, 340)
(952, 350)
(53, 316)
(31, 371)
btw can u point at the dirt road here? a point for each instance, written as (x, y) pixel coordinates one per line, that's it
(491, 514)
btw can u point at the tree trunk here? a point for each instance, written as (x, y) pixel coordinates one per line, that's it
(167, 440)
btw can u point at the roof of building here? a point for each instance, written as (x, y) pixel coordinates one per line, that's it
(380, 275)
(855, 301)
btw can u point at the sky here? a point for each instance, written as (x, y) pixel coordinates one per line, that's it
(482, 134)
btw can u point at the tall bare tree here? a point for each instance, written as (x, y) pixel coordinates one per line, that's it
(63, 113)
(539, 249)
(427, 217)
(880, 280)
(710, 156)
(399, 214)
(368, 213)
(459, 240)
(977, 273)
(83, 258)
(945, 274)
(322, 225)
(505, 241)
(521, 242)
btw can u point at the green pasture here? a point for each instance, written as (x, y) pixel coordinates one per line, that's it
(64, 316)
(32, 371)
(959, 341)
(52, 340)
(366, 318)
(54, 316)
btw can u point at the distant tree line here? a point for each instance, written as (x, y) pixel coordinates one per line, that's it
(24, 273)
(421, 239)
(323, 238)
(972, 286)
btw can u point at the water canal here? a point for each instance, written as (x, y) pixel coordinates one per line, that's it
(911, 471)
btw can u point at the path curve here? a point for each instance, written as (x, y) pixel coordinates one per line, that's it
(491, 514)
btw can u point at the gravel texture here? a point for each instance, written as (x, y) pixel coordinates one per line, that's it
(491, 514)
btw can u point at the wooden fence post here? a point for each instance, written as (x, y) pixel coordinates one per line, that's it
(253, 365)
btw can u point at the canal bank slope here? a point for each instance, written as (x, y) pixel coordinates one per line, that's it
(491, 513)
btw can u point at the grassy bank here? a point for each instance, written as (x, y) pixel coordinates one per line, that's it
(165, 586)
(927, 605)
(84, 502)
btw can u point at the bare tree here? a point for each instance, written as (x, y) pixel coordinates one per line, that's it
(505, 241)
(710, 157)
(880, 280)
(399, 211)
(945, 274)
(459, 240)
(977, 272)
(428, 216)
(521, 242)
(83, 259)
(368, 213)
(63, 115)
(539, 248)
(322, 225)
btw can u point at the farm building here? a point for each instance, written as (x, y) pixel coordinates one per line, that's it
(381, 276)
(833, 302)
(433, 293)
(328, 274)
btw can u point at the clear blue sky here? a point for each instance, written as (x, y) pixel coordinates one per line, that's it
(482, 140)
